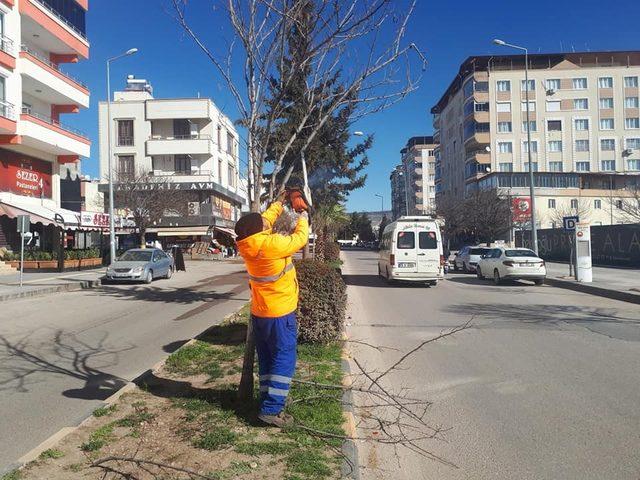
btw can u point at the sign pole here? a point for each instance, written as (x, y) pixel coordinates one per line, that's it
(21, 256)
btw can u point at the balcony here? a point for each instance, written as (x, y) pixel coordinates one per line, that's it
(44, 79)
(7, 53)
(7, 118)
(480, 157)
(46, 134)
(55, 31)
(180, 145)
(179, 108)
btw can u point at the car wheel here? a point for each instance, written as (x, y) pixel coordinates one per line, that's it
(169, 273)
(464, 268)
(539, 282)
(432, 283)
(149, 278)
(496, 277)
(479, 274)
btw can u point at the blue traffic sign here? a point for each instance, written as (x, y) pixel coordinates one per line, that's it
(569, 223)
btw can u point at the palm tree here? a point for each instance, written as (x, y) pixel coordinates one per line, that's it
(327, 220)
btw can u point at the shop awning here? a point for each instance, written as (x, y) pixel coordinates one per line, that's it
(227, 231)
(59, 217)
(180, 231)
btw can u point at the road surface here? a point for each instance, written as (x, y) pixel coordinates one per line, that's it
(544, 385)
(62, 354)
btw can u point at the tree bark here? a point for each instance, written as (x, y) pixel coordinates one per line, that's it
(245, 389)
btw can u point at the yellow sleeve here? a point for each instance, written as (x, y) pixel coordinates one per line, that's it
(272, 213)
(282, 246)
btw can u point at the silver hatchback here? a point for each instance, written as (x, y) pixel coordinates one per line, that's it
(141, 265)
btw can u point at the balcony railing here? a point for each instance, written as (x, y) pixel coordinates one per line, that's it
(6, 45)
(51, 121)
(49, 63)
(196, 136)
(177, 173)
(61, 17)
(7, 110)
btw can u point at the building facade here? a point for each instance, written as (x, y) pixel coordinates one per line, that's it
(584, 121)
(398, 192)
(37, 37)
(186, 143)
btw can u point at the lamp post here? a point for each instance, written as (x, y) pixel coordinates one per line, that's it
(381, 201)
(534, 230)
(112, 230)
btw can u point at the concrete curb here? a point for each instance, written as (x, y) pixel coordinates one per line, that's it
(351, 466)
(69, 287)
(593, 290)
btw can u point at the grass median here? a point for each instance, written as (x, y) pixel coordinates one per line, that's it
(186, 422)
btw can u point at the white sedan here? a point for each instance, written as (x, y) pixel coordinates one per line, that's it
(511, 264)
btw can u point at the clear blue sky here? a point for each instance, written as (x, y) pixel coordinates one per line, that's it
(446, 31)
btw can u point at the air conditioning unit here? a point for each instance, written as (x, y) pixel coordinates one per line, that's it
(193, 209)
(627, 152)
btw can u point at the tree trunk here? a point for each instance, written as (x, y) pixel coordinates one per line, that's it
(321, 241)
(245, 389)
(143, 237)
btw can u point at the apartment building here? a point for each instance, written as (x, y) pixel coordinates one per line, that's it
(398, 192)
(584, 121)
(185, 142)
(38, 37)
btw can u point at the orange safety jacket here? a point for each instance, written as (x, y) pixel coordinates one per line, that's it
(272, 276)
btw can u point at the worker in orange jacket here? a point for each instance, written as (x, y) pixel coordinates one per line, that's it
(274, 300)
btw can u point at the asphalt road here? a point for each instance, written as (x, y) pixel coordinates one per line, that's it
(543, 385)
(61, 355)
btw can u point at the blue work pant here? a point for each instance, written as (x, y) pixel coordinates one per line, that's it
(276, 340)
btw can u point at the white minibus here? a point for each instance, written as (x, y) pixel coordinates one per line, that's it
(411, 250)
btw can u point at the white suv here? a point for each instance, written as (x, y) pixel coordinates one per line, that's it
(511, 264)
(468, 257)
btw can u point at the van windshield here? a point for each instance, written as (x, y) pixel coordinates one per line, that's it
(406, 240)
(427, 240)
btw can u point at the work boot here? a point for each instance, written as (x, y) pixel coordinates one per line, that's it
(280, 420)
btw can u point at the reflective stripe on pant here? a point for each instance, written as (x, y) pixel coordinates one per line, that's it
(276, 340)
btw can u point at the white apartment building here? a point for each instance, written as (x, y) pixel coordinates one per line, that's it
(187, 142)
(584, 123)
(36, 38)
(418, 162)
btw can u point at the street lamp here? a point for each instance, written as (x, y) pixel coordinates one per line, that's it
(534, 230)
(112, 230)
(381, 200)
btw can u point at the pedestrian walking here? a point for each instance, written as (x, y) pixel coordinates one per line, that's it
(274, 300)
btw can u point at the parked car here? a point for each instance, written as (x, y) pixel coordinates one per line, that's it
(141, 265)
(512, 264)
(467, 258)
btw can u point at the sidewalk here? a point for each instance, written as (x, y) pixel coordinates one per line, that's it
(46, 283)
(616, 283)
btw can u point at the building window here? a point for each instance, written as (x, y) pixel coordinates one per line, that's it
(574, 203)
(597, 204)
(580, 104)
(606, 102)
(526, 166)
(632, 123)
(481, 86)
(182, 164)
(554, 125)
(230, 143)
(633, 164)
(607, 144)
(523, 85)
(555, 146)
(553, 105)
(552, 203)
(503, 86)
(481, 107)
(631, 102)
(231, 172)
(582, 124)
(534, 146)
(220, 171)
(605, 82)
(181, 128)
(126, 165)
(606, 124)
(532, 125)
(631, 82)
(505, 147)
(125, 133)
(505, 167)
(553, 84)
(532, 106)
(633, 143)
(582, 145)
(583, 166)
(579, 83)
(555, 166)
(219, 131)
(608, 165)
(504, 127)
(503, 107)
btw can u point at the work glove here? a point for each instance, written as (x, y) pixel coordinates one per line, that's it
(296, 200)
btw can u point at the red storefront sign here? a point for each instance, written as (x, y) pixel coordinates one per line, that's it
(24, 175)
(521, 209)
(94, 219)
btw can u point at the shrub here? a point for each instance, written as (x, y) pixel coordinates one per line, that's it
(323, 302)
(331, 251)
